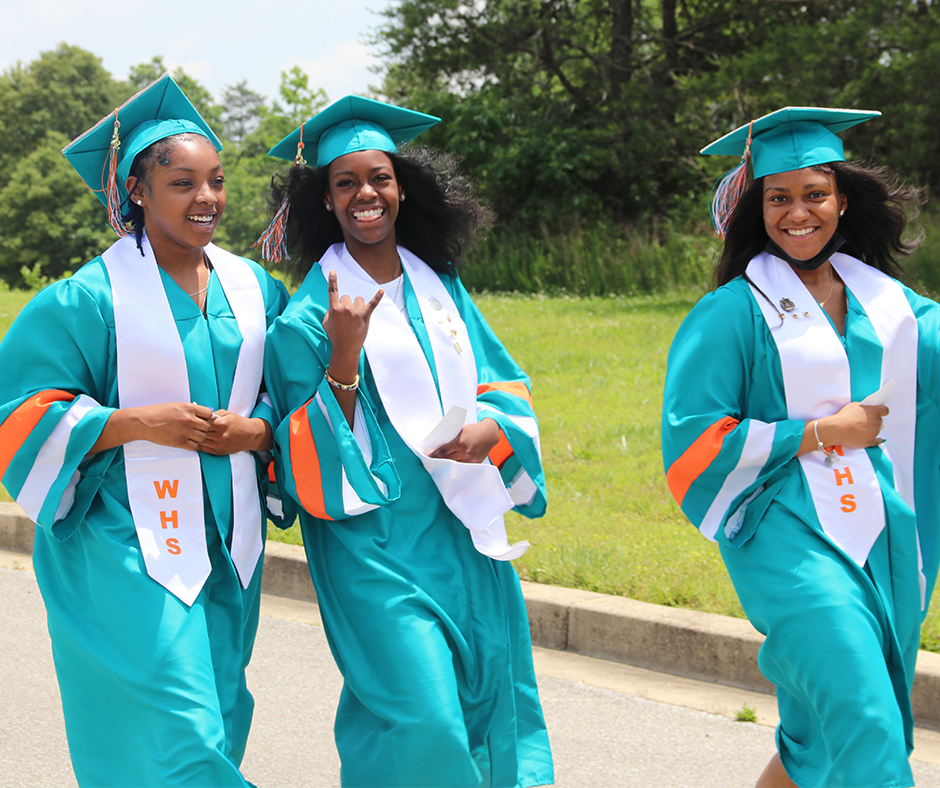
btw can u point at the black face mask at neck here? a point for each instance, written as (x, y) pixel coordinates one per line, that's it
(835, 243)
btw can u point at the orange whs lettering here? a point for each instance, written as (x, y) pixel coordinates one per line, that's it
(165, 487)
(173, 546)
(848, 503)
(170, 518)
(845, 475)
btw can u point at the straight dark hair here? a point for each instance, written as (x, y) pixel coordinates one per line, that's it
(873, 225)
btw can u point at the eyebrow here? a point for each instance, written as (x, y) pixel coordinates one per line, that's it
(350, 172)
(191, 169)
(805, 186)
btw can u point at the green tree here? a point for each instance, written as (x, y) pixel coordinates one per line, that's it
(566, 108)
(48, 217)
(242, 109)
(248, 168)
(66, 90)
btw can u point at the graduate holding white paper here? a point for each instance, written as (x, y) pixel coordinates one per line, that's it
(130, 414)
(405, 433)
(800, 426)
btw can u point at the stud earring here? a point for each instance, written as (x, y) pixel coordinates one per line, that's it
(140, 202)
(842, 212)
(401, 197)
(329, 207)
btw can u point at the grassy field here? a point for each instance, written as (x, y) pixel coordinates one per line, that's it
(597, 366)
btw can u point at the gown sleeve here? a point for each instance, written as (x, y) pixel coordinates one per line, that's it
(332, 471)
(926, 453)
(504, 394)
(720, 457)
(280, 508)
(55, 376)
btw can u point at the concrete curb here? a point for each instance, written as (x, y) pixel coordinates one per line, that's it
(687, 643)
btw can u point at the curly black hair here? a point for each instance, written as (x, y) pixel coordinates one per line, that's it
(142, 168)
(872, 226)
(439, 222)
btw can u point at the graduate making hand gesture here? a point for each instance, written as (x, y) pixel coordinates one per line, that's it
(405, 432)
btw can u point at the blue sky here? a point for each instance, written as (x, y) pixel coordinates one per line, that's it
(252, 41)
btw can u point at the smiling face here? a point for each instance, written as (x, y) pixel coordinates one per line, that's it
(364, 194)
(801, 210)
(183, 196)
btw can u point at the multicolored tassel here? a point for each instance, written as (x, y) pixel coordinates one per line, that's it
(728, 190)
(111, 188)
(273, 241)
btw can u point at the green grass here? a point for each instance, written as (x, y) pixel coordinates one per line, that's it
(597, 366)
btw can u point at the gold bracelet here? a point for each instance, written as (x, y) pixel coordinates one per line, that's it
(341, 386)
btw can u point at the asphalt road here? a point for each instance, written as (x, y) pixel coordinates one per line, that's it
(601, 735)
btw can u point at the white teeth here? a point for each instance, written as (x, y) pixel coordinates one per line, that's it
(201, 219)
(807, 231)
(370, 214)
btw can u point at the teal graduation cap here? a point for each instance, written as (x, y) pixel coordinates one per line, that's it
(103, 155)
(789, 139)
(351, 124)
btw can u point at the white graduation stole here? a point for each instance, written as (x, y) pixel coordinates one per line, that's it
(475, 493)
(164, 484)
(817, 382)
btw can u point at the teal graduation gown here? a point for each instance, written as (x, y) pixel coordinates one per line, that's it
(431, 637)
(153, 691)
(842, 639)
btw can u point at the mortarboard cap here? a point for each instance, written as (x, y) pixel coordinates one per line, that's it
(353, 124)
(103, 155)
(791, 138)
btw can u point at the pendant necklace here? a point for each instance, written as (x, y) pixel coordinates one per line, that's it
(831, 284)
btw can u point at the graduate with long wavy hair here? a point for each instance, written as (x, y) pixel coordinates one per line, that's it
(406, 432)
(799, 431)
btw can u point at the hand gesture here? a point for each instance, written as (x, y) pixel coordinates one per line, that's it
(473, 444)
(347, 324)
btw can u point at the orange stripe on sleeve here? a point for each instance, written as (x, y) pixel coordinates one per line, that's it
(502, 451)
(305, 464)
(20, 423)
(516, 387)
(698, 457)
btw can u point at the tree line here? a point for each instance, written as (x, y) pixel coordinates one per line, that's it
(566, 112)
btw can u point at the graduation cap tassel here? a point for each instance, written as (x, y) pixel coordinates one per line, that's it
(728, 190)
(273, 241)
(113, 200)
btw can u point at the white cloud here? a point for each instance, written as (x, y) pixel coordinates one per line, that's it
(342, 69)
